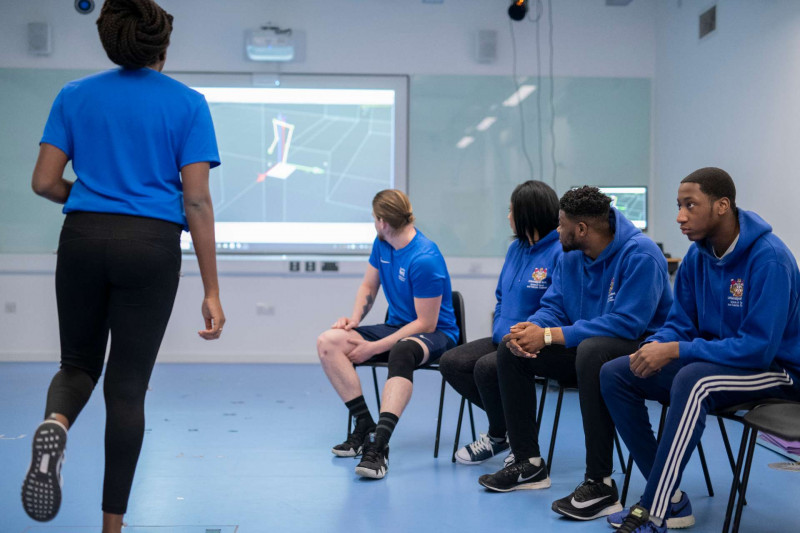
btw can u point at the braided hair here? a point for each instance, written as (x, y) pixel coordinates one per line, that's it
(134, 33)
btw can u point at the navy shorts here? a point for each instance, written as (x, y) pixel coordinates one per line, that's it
(437, 342)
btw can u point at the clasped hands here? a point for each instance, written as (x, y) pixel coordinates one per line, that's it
(525, 340)
(652, 357)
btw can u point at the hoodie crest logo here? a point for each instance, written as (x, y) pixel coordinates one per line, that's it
(737, 288)
(539, 279)
(611, 294)
(737, 292)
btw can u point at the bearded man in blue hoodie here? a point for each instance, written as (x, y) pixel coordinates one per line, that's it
(732, 336)
(609, 291)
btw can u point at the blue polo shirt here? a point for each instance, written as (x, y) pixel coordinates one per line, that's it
(417, 270)
(128, 134)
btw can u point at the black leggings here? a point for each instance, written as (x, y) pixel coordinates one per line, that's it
(471, 369)
(569, 366)
(117, 274)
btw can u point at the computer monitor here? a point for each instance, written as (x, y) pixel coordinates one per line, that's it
(631, 202)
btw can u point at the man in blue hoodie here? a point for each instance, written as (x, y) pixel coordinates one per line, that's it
(609, 291)
(732, 336)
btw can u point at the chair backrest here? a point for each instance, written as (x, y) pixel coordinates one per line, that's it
(458, 309)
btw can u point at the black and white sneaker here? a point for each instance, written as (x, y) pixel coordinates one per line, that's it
(354, 444)
(41, 490)
(590, 500)
(479, 451)
(517, 476)
(375, 461)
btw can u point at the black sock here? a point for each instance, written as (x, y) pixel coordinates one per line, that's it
(359, 411)
(386, 424)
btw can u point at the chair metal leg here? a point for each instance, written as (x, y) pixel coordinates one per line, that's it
(703, 463)
(626, 483)
(471, 421)
(377, 391)
(727, 443)
(541, 404)
(439, 421)
(458, 429)
(619, 452)
(555, 429)
(661, 422)
(745, 478)
(735, 484)
(728, 449)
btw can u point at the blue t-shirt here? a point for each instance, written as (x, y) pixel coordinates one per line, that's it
(417, 270)
(527, 273)
(128, 134)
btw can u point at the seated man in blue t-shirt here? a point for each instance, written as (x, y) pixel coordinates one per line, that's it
(420, 327)
(732, 336)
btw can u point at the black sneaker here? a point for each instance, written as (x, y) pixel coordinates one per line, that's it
(41, 490)
(590, 500)
(517, 476)
(354, 444)
(375, 462)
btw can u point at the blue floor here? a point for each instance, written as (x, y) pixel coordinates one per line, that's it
(245, 449)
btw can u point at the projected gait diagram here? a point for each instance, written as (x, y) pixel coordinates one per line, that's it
(301, 162)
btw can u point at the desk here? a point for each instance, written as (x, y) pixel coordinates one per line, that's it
(672, 264)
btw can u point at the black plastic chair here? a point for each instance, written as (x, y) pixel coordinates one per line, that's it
(561, 388)
(458, 309)
(777, 417)
(701, 454)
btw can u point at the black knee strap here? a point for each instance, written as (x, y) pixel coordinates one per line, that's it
(404, 357)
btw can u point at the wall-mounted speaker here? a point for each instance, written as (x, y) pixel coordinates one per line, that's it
(486, 46)
(40, 39)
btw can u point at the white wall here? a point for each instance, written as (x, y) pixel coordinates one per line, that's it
(731, 101)
(342, 36)
(357, 36)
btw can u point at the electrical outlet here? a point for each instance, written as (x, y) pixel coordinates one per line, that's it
(11, 307)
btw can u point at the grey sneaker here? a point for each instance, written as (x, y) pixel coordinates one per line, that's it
(41, 490)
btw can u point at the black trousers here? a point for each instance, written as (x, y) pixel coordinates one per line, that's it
(569, 366)
(471, 369)
(115, 274)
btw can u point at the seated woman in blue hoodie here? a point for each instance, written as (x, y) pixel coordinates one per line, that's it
(527, 271)
(609, 291)
(732, 336)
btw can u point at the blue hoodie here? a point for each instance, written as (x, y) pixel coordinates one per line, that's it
(526, 275)
(741, 310)
(624, 293)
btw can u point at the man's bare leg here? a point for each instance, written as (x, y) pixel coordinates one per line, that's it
(332, 348)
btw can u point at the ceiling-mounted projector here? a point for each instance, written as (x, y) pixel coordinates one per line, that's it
(270, 43)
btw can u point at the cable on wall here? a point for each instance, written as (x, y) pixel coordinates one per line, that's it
(519, 106)
(539, 8)
(552, 95)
